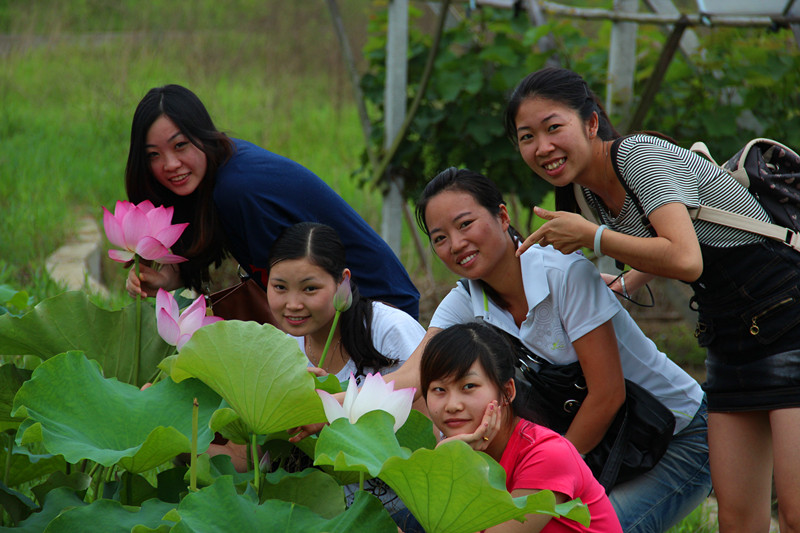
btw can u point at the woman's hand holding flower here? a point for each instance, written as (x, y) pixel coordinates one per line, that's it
(168, 277)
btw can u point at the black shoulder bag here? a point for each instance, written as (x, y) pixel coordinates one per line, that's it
(635, 441)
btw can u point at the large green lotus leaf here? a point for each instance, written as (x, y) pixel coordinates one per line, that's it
(311, 488)
(75, 481)
(11, 379)
(57, 501)
(417, 432)
(110, 516)
(210, 468)
(454, 489)
(219, 509)
(258, 370)
(26, 466)
(70, 321)
(328, 383)
(77, 413)
(361, 447)
(17, 505)
(230, 425)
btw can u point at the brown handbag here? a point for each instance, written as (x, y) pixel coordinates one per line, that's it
(243, 301)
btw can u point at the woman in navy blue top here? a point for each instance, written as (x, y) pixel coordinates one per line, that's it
(237, 198)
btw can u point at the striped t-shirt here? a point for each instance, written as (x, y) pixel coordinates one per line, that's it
(659, 172)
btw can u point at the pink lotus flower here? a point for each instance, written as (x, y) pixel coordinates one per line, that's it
(374, 395)
(177, 328)
(343, 297)
(142, 230)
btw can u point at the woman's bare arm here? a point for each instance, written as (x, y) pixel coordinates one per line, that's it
(599, 358)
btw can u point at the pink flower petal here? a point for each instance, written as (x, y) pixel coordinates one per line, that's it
(120, 256)
(191, 321)
(122, 208)
(150, 248)
(167, 327)
(171, 259)
(113, 229)
(135, 227)
(210, 320)
(170, 234)
(165, 300)
(198, 303)
(159, 218)
(373, 390)
(183, 340)
(144, 206)
(333, 410)
(398, 404)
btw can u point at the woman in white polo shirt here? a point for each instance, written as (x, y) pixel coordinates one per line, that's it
(560, 308)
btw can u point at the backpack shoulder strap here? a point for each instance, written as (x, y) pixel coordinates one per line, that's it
(586, 210)
(739, 174)
(736, 168)
(643, 217)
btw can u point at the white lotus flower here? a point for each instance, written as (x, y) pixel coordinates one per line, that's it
(375, 394)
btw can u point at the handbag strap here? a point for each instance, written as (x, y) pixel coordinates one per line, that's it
(608, 476)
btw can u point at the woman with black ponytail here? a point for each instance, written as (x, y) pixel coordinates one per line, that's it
(306, 266)
(642, 188)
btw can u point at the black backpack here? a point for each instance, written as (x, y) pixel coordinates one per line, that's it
(768, 169)
(771, 172)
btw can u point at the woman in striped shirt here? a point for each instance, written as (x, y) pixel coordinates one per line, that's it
(746, 289)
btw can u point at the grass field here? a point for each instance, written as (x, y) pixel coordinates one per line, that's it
(72, 73)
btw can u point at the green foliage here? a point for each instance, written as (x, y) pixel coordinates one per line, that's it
(252, 366)
(73, 72)
(738, 73)
(459, 121)
(698, 521)
(59, 324)
(743, 85)
(441, 486)
(67, 396)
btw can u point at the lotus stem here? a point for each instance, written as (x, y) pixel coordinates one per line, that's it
(254, 456)
(128, 488)
(8, 458)
(330, 338)
(93, 469)
(193, 458)
(138, 336)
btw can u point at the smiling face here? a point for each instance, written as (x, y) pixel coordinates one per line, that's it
(176, 163)
(300, 295)
(469, 239)
(457, 406)
(554, 141)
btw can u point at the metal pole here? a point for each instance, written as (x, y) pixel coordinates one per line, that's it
(621, 61)
(395, 111)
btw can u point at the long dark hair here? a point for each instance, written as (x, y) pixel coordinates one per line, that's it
(452, 351)
(203, 242)
(320, 245)
(570, 89)
(481, 188)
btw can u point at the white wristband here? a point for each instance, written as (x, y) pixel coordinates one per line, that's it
(624, 289)
(597, 235)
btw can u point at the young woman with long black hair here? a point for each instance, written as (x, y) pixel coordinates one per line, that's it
(237, 198)
(745, 287)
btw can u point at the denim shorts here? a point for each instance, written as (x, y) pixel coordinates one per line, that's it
(748, 303)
